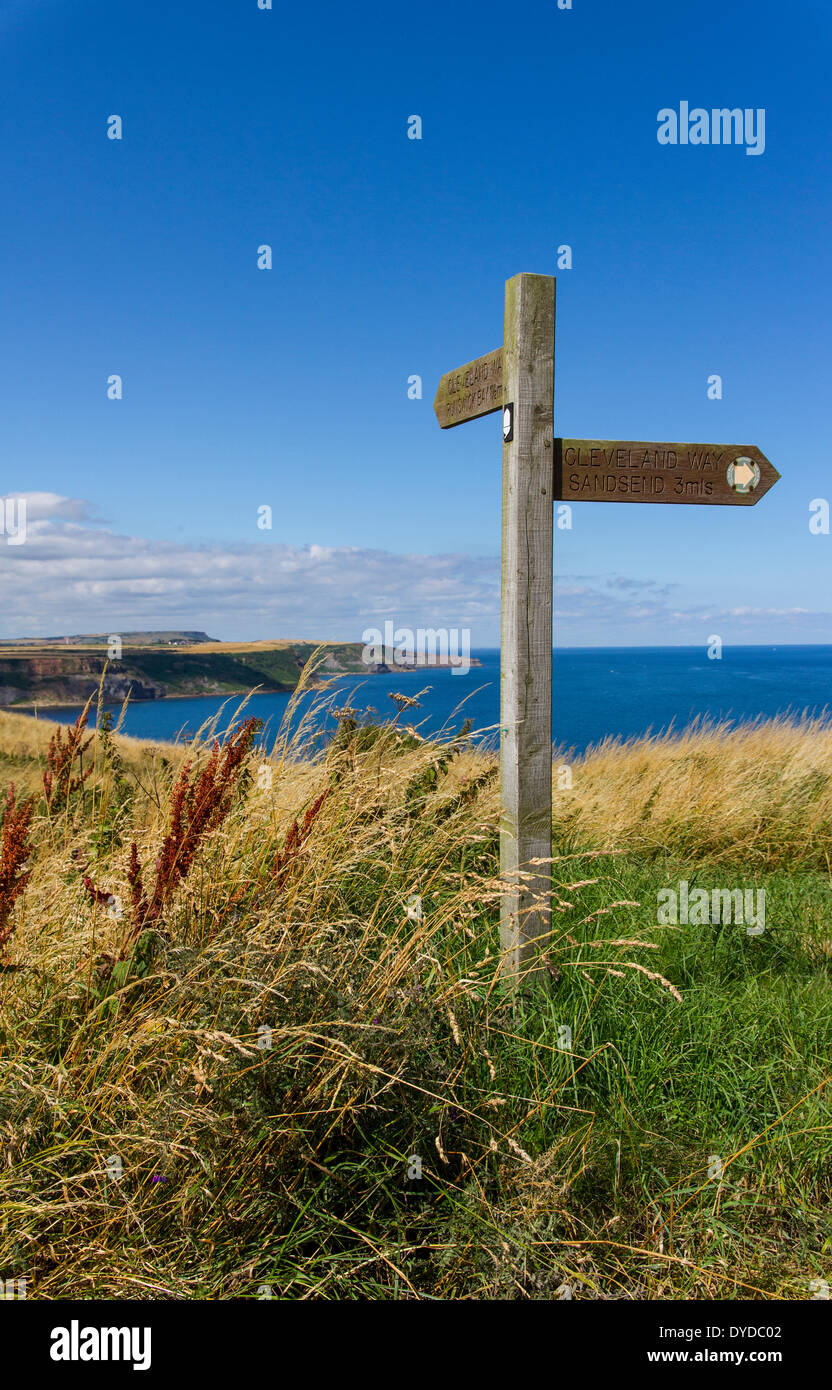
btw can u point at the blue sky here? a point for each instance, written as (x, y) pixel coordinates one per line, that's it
(288, 387)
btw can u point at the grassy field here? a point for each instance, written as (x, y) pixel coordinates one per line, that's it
(286, 1063)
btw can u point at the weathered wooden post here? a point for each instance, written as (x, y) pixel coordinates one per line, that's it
(526, 616)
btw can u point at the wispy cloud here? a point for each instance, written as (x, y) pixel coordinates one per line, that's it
(51, 506)
(74, 574)
(71, 575)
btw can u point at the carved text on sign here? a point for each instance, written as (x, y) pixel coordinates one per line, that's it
(473, 390)
(599, 470)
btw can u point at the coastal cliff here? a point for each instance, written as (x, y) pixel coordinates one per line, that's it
(67, 671)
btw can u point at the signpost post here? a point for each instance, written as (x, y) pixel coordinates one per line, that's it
(538, 469)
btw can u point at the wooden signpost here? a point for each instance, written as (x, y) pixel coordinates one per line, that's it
(519, 380)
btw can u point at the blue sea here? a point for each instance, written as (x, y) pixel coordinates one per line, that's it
(598, 692)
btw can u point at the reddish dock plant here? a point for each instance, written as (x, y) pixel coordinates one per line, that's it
(14, 854)
(59, 783)
(296, 835)
(199, 803)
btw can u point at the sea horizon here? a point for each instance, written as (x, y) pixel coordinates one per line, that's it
(617, 692)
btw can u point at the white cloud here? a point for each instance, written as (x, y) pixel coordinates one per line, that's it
(69, 577)
(75, 575)
(46, 506)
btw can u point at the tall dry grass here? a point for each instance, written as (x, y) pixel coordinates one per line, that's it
(237, 1107)
(759, 793)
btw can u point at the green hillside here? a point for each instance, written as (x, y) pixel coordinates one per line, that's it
(145, 672)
